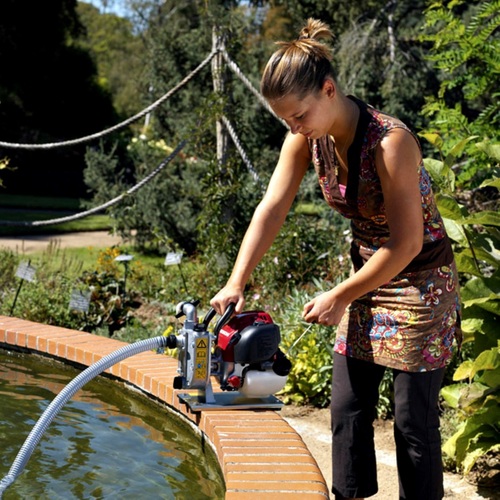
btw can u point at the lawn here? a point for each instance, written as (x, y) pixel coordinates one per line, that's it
(18, 212)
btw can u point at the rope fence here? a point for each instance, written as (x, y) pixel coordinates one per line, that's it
(248, 84)
(118, 126)
(227, 124)
(241, 151)
(109, 203)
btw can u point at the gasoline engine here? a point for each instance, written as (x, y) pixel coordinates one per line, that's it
(242, 354)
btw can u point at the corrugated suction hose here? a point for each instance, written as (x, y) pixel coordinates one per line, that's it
(67, 393)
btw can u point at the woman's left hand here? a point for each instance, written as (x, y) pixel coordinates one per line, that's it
(325, 309)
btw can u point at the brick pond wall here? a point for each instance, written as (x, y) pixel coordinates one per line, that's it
(260, 454)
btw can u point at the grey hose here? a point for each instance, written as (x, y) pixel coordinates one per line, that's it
(66, 394)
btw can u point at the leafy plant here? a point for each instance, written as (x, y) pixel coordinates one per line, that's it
(464, 122)
(478, 398)
(310, 349)
(110, 305)
(45, 300)
(465, 48)
(8, 262)
(476, 395)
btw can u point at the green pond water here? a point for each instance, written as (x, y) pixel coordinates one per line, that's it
(107, 442)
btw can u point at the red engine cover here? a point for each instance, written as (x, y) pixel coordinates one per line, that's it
(237, 324)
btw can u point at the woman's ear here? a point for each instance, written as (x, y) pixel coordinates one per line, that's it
(329, 88)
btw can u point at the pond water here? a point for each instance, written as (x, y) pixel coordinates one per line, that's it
(107, 442)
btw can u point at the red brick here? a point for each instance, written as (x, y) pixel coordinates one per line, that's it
(272, 475)
(260, 494)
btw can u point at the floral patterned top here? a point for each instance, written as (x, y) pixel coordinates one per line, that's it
(411, 322)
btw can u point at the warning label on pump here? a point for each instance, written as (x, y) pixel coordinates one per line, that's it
(201, 359)
(201, 344)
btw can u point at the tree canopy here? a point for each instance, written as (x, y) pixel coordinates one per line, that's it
(49, 92)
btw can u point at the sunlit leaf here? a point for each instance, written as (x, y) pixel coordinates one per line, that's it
(449, 207)
(451, 394)
(465, 370)
(487, 218)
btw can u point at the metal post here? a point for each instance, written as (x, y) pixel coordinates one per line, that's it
(125, 260)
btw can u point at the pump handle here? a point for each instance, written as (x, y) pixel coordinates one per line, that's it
(208, 317)
(222, 320)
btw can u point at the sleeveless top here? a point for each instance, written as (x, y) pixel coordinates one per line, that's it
(411, 322)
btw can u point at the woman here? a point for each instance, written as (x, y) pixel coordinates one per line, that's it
(399, 309)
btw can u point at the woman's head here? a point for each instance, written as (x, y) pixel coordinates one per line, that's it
(299, 67)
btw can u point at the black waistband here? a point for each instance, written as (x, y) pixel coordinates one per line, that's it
(433, 254)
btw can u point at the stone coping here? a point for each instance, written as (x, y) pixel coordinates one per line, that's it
(260, 454)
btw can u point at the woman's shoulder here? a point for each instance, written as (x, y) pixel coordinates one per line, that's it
(380, 124)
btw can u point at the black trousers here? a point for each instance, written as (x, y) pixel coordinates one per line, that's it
(355, 392)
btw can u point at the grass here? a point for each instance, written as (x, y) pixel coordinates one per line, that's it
(89, 223)
(17, 212)
(18, 208)
(39, 202)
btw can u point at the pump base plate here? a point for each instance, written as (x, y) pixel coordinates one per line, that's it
(230, 401)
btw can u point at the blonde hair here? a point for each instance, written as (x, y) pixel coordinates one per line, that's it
(299, 67)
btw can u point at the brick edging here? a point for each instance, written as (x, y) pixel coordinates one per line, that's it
(260, 454)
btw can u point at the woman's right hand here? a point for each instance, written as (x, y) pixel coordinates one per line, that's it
(228, 294)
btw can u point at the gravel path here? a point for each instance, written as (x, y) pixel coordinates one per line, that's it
(34, 243)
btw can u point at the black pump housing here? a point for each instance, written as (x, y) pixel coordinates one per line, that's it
(257, 343)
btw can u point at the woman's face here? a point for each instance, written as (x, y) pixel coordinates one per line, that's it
(311, 116)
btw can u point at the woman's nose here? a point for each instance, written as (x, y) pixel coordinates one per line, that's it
(295, 129)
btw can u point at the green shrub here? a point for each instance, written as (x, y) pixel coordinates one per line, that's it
(310, 378)
(8, 264)
(478, 404)
(44, 301)
(476, 396)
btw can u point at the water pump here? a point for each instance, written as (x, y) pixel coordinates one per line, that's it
(242, 354)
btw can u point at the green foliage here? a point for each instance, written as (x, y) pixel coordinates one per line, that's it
(465, 48)
(476, 233)
(477, 243)
(46, 299)
(119, 55)
(110, 305)
(310, 379)
(381, 59)
(463, 128)
(309, 248)
(165, 210)
(385, 403)
(49, 93)
(478, 400)
(229, 199)
(8, 262)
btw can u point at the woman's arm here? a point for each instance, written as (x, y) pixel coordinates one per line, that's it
(397, 158)
(267, 220)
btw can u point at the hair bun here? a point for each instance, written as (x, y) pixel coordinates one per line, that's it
(315, 30)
